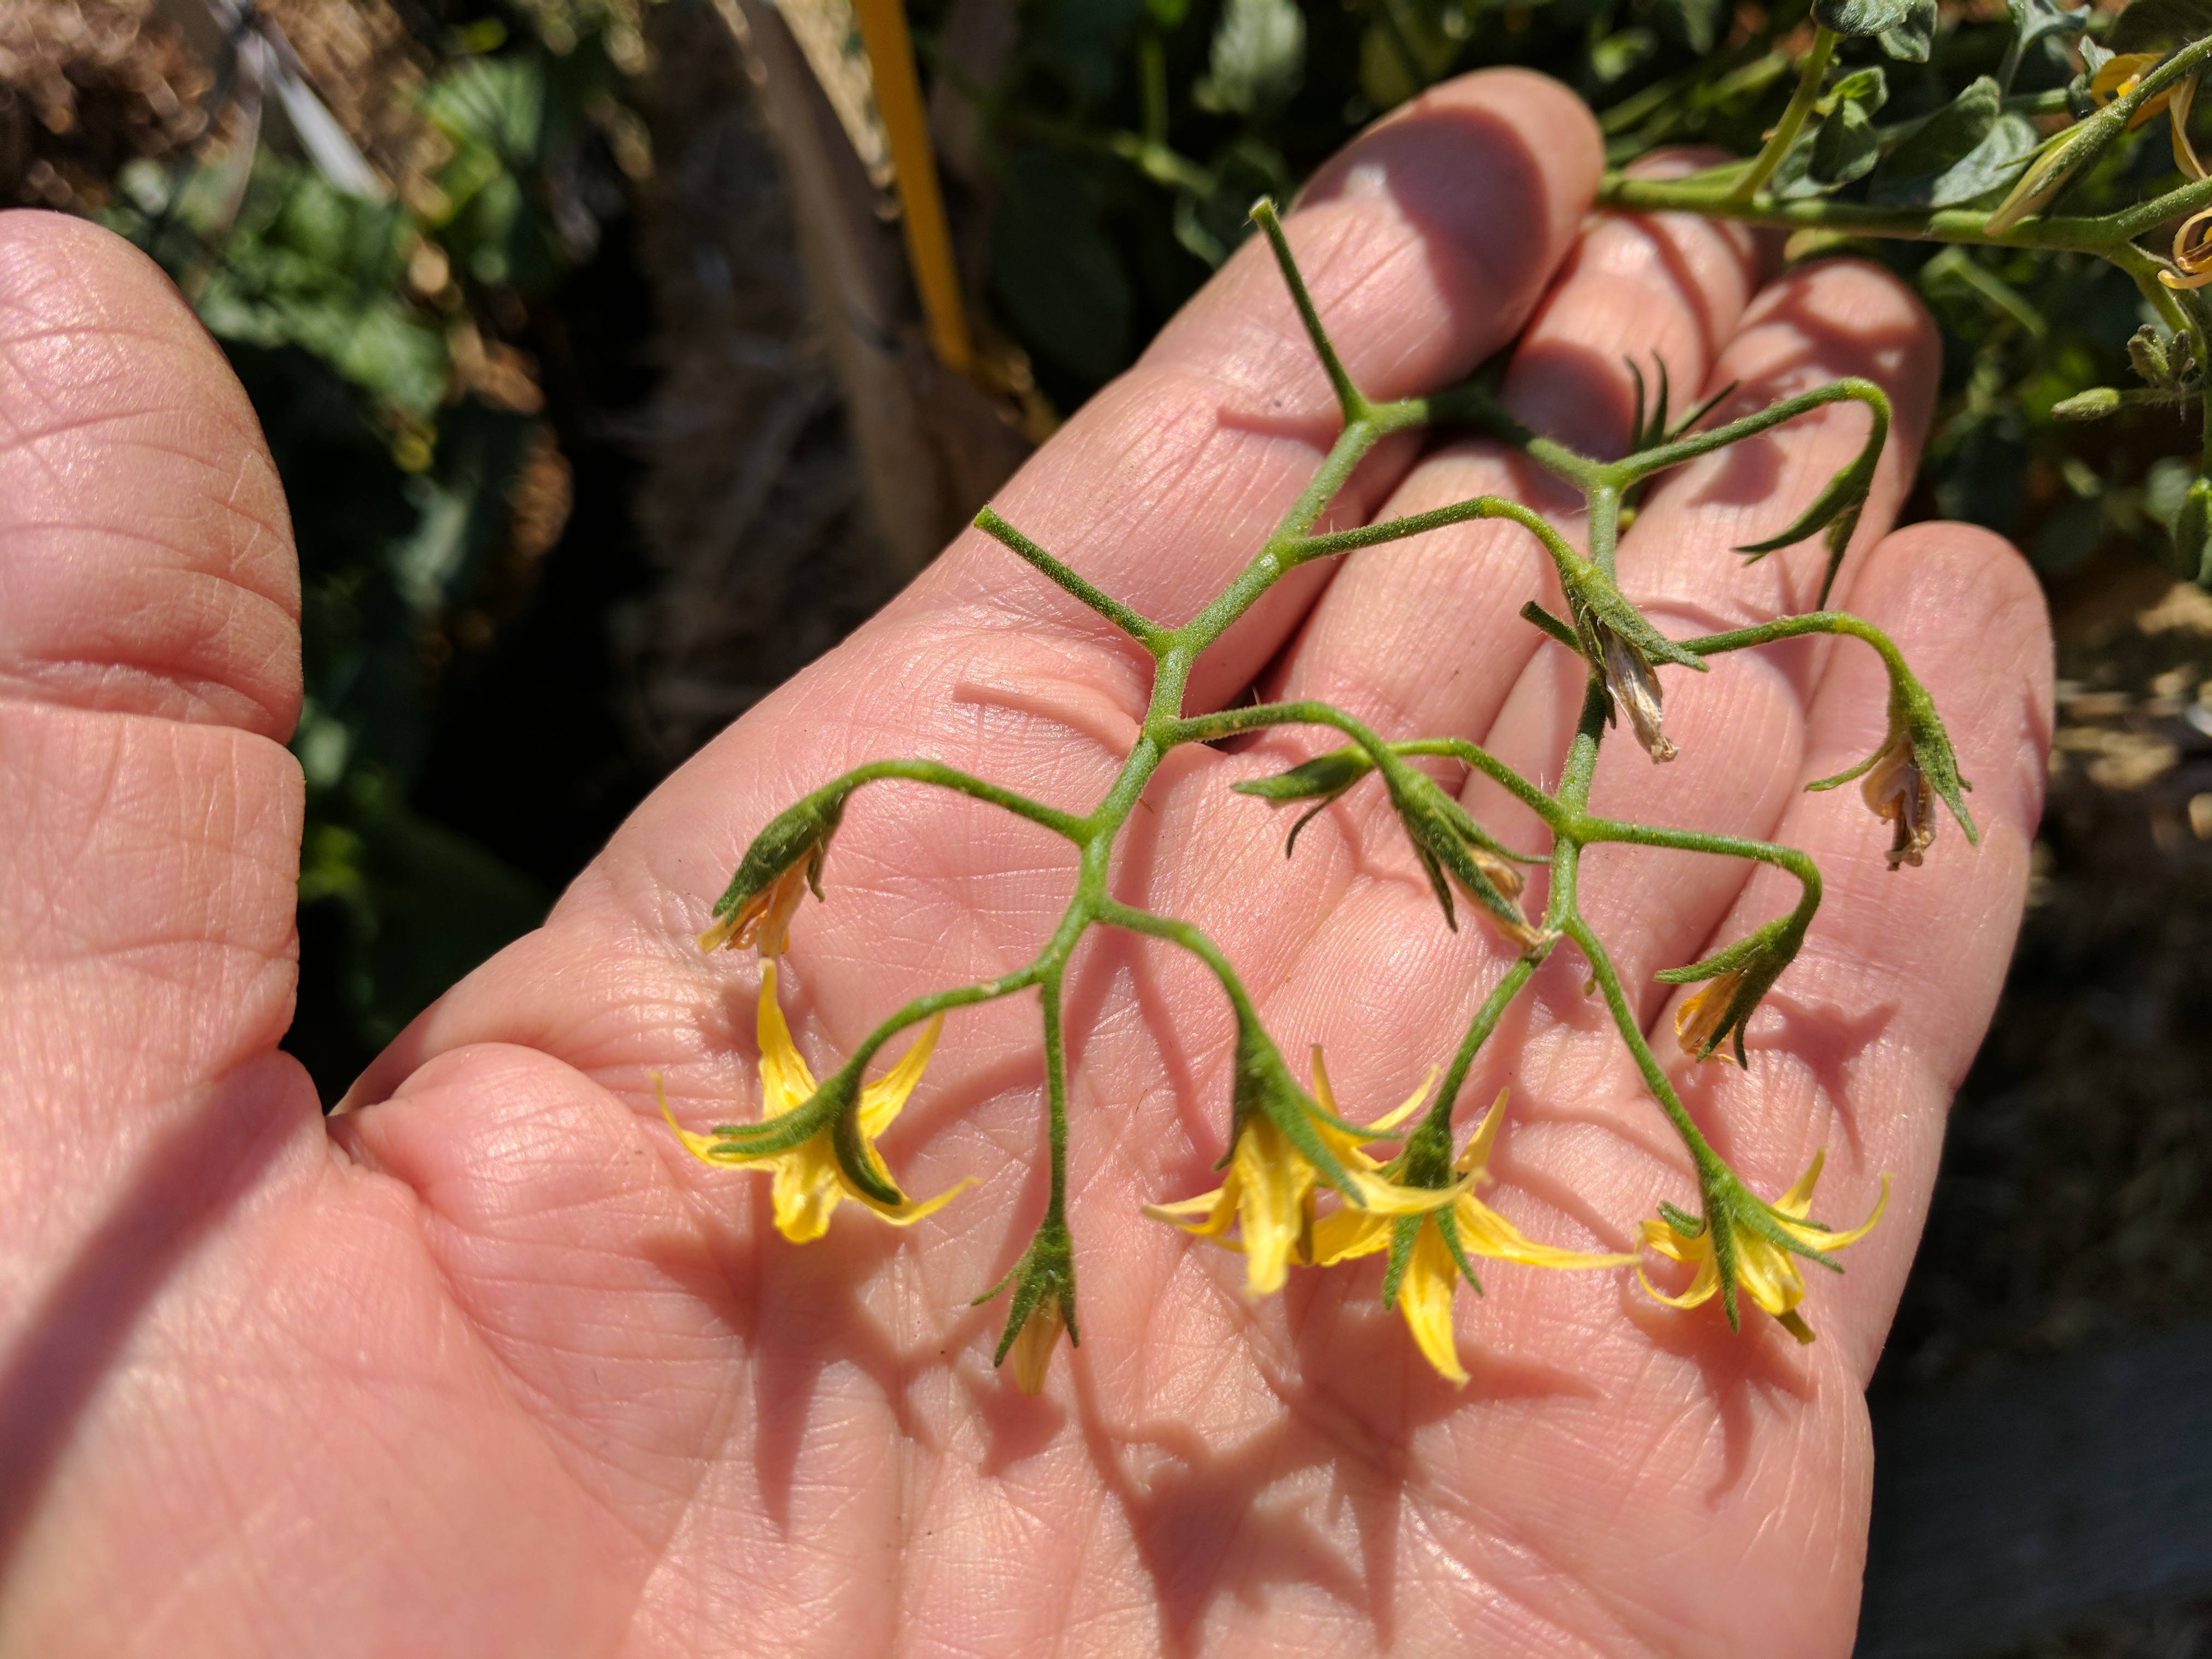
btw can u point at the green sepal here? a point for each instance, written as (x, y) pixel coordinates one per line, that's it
(1911, 706)
(1323, 777)
(1448, 1229)
(1684, 1223)
(1401, 1252)
(837, 1094)
(1442, 833)
(1593, 597)
(1534, 613)
(1046, 1269)
(1320, 780)
(801, 830)
(1836, 509)
(845, 1142)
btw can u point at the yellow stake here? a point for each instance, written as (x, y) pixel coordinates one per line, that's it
(921, 206)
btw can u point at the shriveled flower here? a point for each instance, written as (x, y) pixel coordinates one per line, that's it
(1737, 978)
(784, 860)
(1766, 1267)
(808, 1180)
(2192, 254)
(1897, 790)
(1635, 686)
(1697, 1023)
(1443, 1240)
(765, 918)
(1915, 768)
(1271, 1186)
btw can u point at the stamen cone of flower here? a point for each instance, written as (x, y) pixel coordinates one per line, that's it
(1739, 978)
(1753, 1244)
(785, 860)
(1429, 1251)
(810, 1176)
(1275, 1167)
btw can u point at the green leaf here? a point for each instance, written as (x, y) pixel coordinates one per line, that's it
(1059, 278)
(1258, 58)
(1965, 151)
(1848, 17)
(2039, 32)
(1845, 147)
(1695, 23)
(1912, 41)
(2148, 25)
(1870, 87)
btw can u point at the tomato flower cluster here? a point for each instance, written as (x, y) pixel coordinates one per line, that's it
(1301, 1187)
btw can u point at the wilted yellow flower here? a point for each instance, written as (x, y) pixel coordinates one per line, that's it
(765, 918)
(1270, 1189)
(1764, 1269)
(2120, 76)
(1032, 1350)
(2191, 252)
(1700, 1016)
(809, 1181)
(1432, 1275)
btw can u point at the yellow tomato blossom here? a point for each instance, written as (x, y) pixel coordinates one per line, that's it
(809, 1181)
(1432, 1276)
(1270, 1189)
(1765, 1270)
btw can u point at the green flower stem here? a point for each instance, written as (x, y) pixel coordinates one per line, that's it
(1789, 858)
(1712, 1167)
(1349, 398)
(1146, 632)
(948, 777)
(1055, 1089)
(1633, 469)
(1790, 628)
(1229, 722)
(1438, 1116)
(1176, 931)
(1809, 78)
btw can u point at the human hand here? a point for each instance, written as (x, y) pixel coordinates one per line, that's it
(487, 1364)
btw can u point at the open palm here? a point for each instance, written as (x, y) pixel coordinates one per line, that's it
(486, 1364)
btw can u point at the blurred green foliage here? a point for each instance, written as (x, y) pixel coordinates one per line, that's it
(1126, 139)
(361, 329)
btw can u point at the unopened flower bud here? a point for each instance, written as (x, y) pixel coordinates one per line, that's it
(2094, 404)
